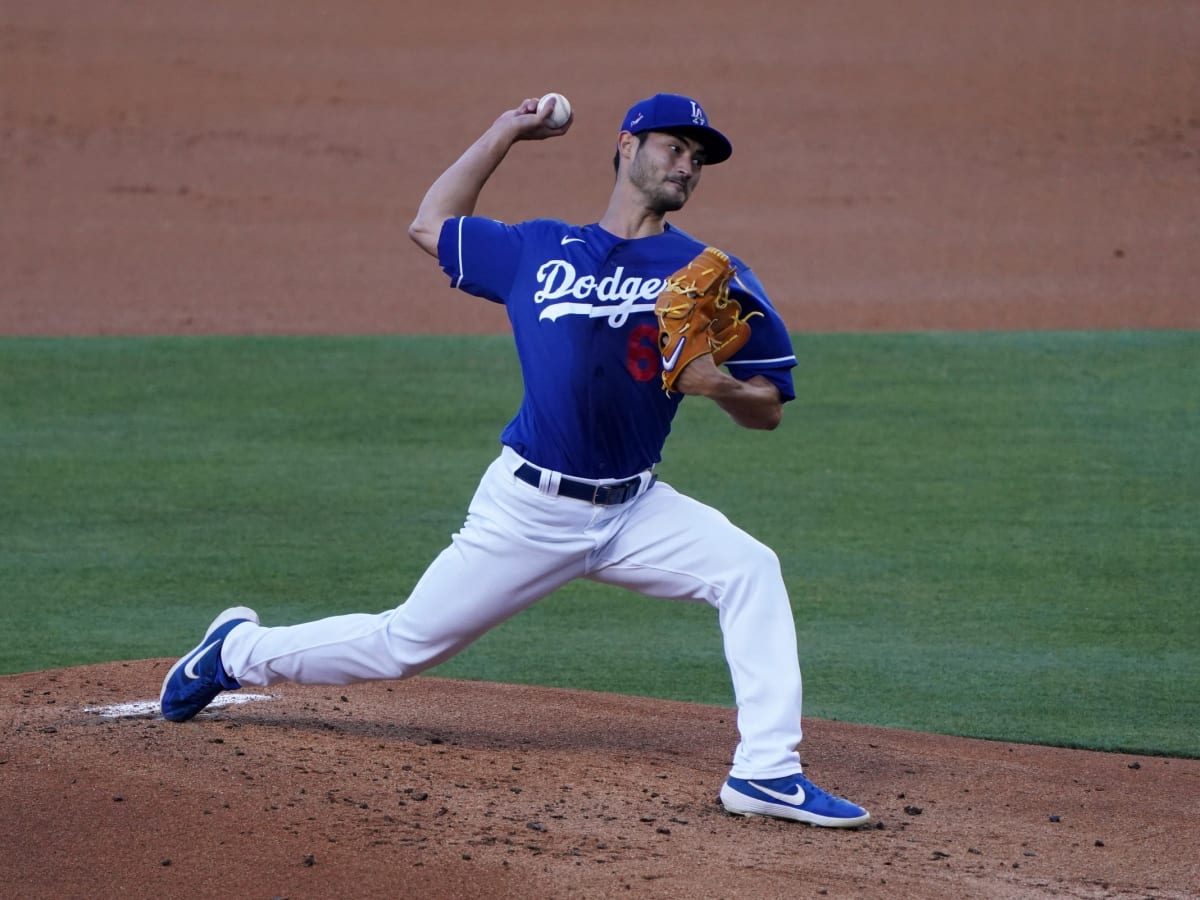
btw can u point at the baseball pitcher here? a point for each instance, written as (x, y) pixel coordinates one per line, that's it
(615, 323)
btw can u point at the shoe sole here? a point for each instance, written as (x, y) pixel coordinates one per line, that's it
(234, 612)
(739, 804)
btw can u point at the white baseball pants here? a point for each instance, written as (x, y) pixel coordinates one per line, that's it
(519, 544)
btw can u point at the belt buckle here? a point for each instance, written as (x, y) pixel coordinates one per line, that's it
(614, 493)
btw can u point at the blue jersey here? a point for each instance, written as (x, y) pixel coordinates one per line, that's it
(581, 304)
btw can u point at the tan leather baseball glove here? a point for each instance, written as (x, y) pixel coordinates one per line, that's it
(696, 315)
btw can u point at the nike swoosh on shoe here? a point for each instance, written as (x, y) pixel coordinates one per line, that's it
(796, 798)
(189, 669)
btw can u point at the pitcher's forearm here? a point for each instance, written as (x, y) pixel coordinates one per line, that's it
(754, 403)
(456, 191)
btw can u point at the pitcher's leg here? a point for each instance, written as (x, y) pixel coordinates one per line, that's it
(492, 569)
(759, 633)
(677, 548)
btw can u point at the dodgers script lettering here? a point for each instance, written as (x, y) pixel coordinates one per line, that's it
(559, 280)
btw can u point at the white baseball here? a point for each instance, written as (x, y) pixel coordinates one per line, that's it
(562, 109)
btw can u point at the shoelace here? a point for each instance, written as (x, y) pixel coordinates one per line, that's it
(810, 789)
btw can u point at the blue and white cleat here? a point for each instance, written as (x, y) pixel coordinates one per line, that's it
(791, 797)
(194, 681)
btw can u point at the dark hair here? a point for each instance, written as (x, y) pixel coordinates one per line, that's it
(641, 136)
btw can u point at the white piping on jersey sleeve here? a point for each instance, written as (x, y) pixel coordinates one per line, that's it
(461, 274)
(757, 362)
(760, 362)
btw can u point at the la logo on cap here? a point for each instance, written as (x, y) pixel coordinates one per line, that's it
(665, 112)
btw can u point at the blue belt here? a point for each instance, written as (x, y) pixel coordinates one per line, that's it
(598, 494)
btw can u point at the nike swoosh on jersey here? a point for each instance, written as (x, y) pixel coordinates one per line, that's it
(189, 670)
(571, 240)
(796, 798)
(669, 364)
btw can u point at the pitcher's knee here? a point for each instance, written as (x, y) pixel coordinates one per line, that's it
(414, 646)
(754, 575)
(756, 558)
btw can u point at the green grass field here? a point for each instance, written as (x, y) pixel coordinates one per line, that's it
(989, 535)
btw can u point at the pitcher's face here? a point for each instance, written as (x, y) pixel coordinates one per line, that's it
(666, 169)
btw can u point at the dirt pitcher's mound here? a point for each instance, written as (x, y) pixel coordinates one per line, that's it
(196, 168)
(439, 788)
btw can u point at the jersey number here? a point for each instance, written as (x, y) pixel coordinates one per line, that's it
(642, 358)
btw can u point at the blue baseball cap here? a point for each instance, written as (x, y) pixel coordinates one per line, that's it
(674, 112)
